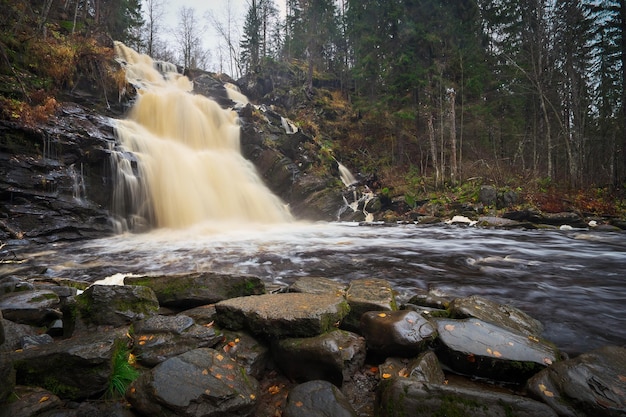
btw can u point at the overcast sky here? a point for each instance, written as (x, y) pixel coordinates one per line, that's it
(218, 8)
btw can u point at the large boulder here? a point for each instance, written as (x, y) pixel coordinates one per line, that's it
(116, 305)
(283, 315)
(396, 333)
(317, 399)
(197, 289)
(75, 368)
(591, 384)
(158, 338)
(499, 314)
(332, 356)
(475, 347)
(369, 294)
(409, 397)
(199, 383)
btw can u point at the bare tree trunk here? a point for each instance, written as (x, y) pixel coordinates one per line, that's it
(44, 16)
(453, 162)
(433, 147)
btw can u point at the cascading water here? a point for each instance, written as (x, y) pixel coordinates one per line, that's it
(180, 162)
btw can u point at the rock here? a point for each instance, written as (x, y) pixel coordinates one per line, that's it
(249, 352)
(501, 222)
(396, 333)
(202, 315)
(14, 332)
(317, 399)
(424, 368)
(199, 383)
(36, 307)
(29, 342)
(30, 401)
(283, 315)
(499, 314)
(196, 289)
(158, 338)
(116, 305)
(475, 347)
(558, 219)
(487, 195)
(592, 383)
(7, 380)
(75, 369)
(408, 397)
(317, 285)
(367, 295)
(332, 356)
(429, 299)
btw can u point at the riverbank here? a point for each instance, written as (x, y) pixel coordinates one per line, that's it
(212, 344)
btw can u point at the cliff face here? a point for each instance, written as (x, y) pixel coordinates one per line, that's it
(56, 176)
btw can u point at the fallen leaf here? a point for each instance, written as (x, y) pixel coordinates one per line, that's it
(404, 373)
(386, 376)
(237, 340)
(299, 404)
(511, 344)
(205, 372)
(497, 354)
(548, 393)
(382, 315)
(449, 327)
(374, 369)
(252, 396)
(218, 376)
(533, 339)
(219, 357)
(547, 361)
(274, 389)
(43, 399)
(489, 351)
(621, 378)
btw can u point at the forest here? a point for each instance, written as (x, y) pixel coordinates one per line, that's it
(438, 93)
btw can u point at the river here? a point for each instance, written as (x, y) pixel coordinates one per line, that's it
(574, 282)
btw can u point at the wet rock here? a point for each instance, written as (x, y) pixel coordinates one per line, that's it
(76, 368)
(332, 356)
(430, 299)
(201, 382)
(116, 305)
(249, 352)
(30, 401)
(424, 368)
(203, 314)
(475, 347)
(408, 397)
(36, 307)
(14, 332)
(592, 384)
(28, 342)
(317, 399)
(1, 329)
(191, 290)
(501, 222)
(317, 285)
(7, 381)
(499, 314)
(367, 295)
(12, 284)
(559, 219)
(283, 315)
(396, 333)
(158, 338)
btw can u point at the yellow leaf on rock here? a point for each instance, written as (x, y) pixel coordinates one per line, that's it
(386, 376)
(205, 372)
(449, 327)
(497, 354)
(382, 315)
(489, 351)
(274, 389)
(621, 378)
(299, 404)
(548, 393)
(44, 399)
(547, 361)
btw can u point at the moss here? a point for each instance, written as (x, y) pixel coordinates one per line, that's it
(44, 297)
(453, 406)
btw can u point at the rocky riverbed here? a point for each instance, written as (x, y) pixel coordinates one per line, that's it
(229, 345)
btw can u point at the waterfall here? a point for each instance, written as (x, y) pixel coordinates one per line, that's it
(179, 161)
(346, 176)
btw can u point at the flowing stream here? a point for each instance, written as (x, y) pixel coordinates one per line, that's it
(573, 281)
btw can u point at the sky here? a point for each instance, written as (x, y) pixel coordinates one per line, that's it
(219, 9)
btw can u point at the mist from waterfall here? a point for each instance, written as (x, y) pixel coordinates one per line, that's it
(179, 161)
